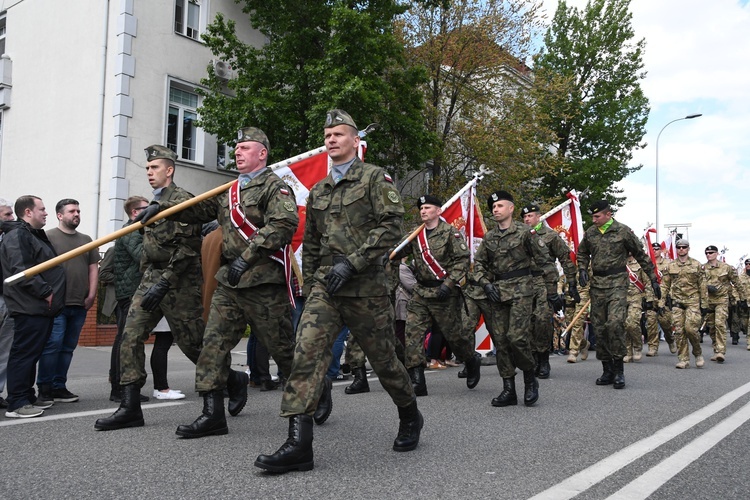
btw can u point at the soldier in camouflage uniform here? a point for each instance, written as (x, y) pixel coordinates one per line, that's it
(258, 217)
(605, 246)
(578, 344)
(170, 287)
(640, 300)
(502, 267)
(441, 262)
(660, 315)
(744, 313)
(542, 319)
(720, 276)
(354, 215)
(685, 292)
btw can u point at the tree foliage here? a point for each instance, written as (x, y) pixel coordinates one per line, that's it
(319, 55)
(587, 85)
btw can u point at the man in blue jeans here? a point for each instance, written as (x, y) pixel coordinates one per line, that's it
(81, 276)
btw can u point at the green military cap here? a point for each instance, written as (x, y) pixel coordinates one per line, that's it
(254, 134)
(599, 206)
(157, 152)
(339, 117)
(533, 207)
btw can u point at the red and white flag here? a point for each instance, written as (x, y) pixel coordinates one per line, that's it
(568, 223)
(651, 253)
(668, 246)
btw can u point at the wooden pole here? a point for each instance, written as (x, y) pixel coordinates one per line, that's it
(576, 317)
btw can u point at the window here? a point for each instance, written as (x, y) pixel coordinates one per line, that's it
(189, 20)
(182, 134)
(2, 33)
(224, 157)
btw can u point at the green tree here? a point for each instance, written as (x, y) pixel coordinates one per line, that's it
(597, 107)
(318, 55)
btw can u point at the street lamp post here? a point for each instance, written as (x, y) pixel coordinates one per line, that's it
(688, 117)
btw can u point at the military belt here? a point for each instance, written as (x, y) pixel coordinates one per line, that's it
(537, 274)
(513, 274)
(611, 271)
(430, 283)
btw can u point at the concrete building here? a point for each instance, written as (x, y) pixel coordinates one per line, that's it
(86, 85)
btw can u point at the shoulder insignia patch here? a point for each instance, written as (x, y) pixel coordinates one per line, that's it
(457, 235)
(541, 242)
(289, 206)
(393, 196)
(533, 231)
(284, 191)
(388, 178)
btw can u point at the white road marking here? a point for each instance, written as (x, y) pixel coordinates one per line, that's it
(64, 416)
(585, 479)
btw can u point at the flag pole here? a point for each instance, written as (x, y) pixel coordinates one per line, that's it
(48, 264)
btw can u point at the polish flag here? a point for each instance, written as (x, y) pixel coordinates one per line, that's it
(568, 223)
(669, 246)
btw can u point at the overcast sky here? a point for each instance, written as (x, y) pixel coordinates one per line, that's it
(698, 61)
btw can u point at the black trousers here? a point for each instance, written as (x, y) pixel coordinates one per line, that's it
(30, 334)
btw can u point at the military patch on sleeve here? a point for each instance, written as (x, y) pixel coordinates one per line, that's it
(388, 178)
(533, 231)
(457, 235)
(289, 206)
(463, 246)
(541, 242)
(284, 191)
(392, 196)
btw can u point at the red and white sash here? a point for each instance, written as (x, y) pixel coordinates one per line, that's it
(433, 264)
(248, 231)
(633, 277)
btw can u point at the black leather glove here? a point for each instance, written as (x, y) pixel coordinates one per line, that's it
(154, 295)
(444, 292)
(573, 292)
(661, 311)
(339, 274)
(644, 306)
(657, 288)
(491, 291)
(556, 301)
(147, 213)
(238, 267)
(649, 306)
(583, 277)
(712, 289)
(668, 302)
(743, 305)
(704, 311)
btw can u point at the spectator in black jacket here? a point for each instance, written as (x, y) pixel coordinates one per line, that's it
(32, 302)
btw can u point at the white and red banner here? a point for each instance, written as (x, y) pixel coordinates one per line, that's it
(668, 246)
(568, 223)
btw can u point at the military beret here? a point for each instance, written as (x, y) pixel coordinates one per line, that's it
(656, 246)
(497, 196)
(712, 248)
(599, 206)
(157, 152)
(429, 200)
(747, 261)
(339, 117)
(530, 208)
(248, 134)
(683, 242)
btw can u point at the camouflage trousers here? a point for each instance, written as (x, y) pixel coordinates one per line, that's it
(609, 308)
(370, 321)
(183, 309)
(511, 331)
(686, 324)
(474, 309)
(265, 308)
(652, 330)
(717, 323)
(356, 358)
(541, 320)
(577, 342)
(422, 314)
(633, 335)
(664, 320)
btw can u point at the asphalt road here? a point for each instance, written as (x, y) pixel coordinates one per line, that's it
(670, 434)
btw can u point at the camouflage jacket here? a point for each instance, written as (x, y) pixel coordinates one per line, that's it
(662, 264)
(608, 253)
(685, 283)
(172, 249)
(745, 280)
(723, 277)
(449, 249)
(359, 218)
(269, 204)
(128, 253)
(557, 250)
(512, 251)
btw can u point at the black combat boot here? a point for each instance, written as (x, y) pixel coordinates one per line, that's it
(237, 391)
(537, 363)
(325, 403)
(735, 338)
(296, 453)
(619, 371)
(530, 388)
(129, 413)
(544, 367)
(608, 376)
(409, 427)
(212, 422)
(508, 396)
(463, 373)
(473, 367)
(359, 384)
(416, 375)
(116, 393)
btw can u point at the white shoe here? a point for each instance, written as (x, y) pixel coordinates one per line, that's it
(168, 395)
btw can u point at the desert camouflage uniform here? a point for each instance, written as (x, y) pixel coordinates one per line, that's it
(685, 284)
(504, 258)
(542, 319)
(171, 250)
(661, 316)
(723, 277)
(359, 218)
(260, 299)
(744, 312)
(608, 252)
(578, 344)
(449, 250)
(637, 299)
